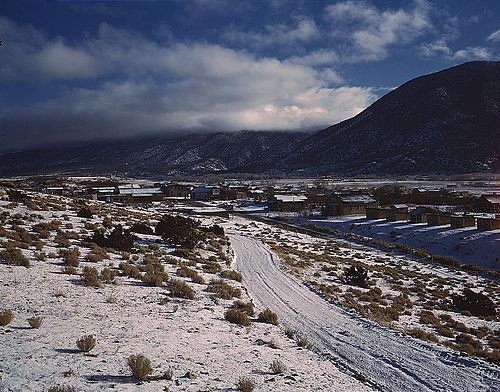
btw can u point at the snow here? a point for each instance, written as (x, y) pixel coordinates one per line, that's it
(386, 359)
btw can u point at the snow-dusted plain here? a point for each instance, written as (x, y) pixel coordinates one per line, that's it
(190, 337)
(388, 360)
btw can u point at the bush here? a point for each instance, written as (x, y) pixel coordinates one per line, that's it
(108, 275)
(356, 275)
(179, 230)
(245, 384)
(223, 290)
(6, 317)
(70, 256)
(230, 274)
(154, 278)
(215, 229)
(84, 212)
(180, 289)
(245, 307)
(477, 304)
(236, 316)
(90, 277)
(86, 343)
(69, 270)
(268, 317)
(303, 341)
(141, 228)
(427, 317)
(35, 322)
(186, 272)
(140, 366)
(14, 256)
(118, 239)
(131, 270)
(277, 367)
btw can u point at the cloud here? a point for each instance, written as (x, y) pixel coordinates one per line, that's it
(440, 48)
(373, 31)
(495, 36)
(141, 87)
(305, 30)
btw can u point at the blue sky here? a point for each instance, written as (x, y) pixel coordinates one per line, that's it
(89, 70)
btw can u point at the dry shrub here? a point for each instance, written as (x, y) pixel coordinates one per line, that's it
(108, 275)
(70, 256)
(140, 366)
(35, 322)
(223, 290)
(69, 270)
(245, 307)
(180, 289)
(86, 343)
(236, 316)
(211, 268)
(245, 384)
(230, 274)
(269, 317)
(422, 335)
(427, 317)
(131, 270)
(6, 317)
(186, 272)
(277, 367)
(14, 256)
(303, 341)
(90, 277)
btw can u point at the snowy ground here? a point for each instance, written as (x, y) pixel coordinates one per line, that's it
(390, 360)
(468, 244)
(191, 337)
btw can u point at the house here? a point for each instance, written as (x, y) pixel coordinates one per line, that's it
(287, 203)
(134, 194)
(347, 203)
(376, 212)
(461, 221)
(398, 212)
(438, 219)
(234, 192)
(177, 190)
(486, 224)
(419, 214)
(488, 203)
(205, 193)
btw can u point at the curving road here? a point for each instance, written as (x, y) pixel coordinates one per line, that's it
(388, 360)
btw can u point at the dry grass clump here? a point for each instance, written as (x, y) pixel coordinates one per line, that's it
(422, 335)
(14, 256)
(108, 275)
(86, 343)
(211, 267)
(130, 270)
(223, 290)
(70, 256)
(427, 317)
(62, 388)
(269, 317)
(232, 275)
(6, 317)
(236, 316)
(140, 366)
(186, 272)
(245, 384)
(277, 367)
(303, 341)
(35, 322)
(245, 307)
(90, 277)
(180, 289)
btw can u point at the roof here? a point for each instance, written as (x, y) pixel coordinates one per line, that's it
(290, 198)
(361, 198)
(399, 206)
(493, 199)
(139, 192)
(201, 190)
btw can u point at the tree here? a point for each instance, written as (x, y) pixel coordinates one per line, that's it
(179, 230)
(356, 275)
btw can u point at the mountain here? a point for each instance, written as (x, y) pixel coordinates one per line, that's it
(447, 122)
(244, 151)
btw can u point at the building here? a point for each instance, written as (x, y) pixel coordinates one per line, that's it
(376, 212)
(205, 194)
(488, 203)
(486, 224)
(461, 221)
(288, 203)
(438, 219)
(234, 192)
(177, 190)
(419, 214)
(347, 204)
(398, 212)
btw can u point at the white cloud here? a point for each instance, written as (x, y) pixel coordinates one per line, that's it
(305, 30)
(495, 36)
(373, 31)
(152, 88)
(440, 48)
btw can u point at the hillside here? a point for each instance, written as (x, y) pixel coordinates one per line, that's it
(447, 122)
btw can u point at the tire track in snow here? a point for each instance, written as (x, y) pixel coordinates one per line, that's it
(387, 359)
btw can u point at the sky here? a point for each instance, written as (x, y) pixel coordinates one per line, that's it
(78, 71)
